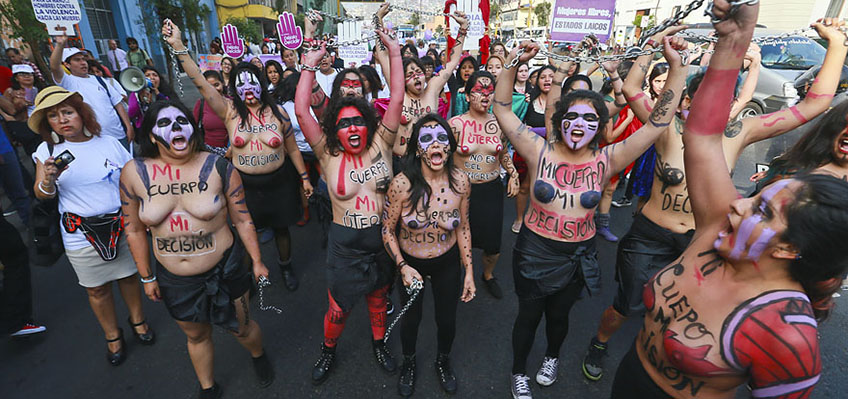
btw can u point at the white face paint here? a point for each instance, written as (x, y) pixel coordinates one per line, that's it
(173, 129)
(247, 84)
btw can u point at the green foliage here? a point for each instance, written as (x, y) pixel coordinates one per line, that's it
(494, 11)
(247, 30)
(543, 12)
(440, 31)
(414, 19)
(17, 19)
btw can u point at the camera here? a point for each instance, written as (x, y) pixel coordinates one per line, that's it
(63, 159)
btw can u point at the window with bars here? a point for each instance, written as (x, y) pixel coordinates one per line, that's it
(102, 23)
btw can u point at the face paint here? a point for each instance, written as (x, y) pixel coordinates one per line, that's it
(173, 129)
(579, 126)
(483, 87)
(429, 135)
(352, 86)
(247, 82)
(351, 130)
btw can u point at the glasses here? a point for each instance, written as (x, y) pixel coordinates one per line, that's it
(588, 117)
(348, 122)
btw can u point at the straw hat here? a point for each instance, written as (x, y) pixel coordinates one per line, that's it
(46, 99)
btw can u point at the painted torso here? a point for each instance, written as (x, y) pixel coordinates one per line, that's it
(478, 146)
(428, 234)
(413, 108)
(258, 146)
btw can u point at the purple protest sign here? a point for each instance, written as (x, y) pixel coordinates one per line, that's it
(291, 36)
(574, 19)
(230, 41)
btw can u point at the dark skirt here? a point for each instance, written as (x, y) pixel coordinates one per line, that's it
(207, 297)
(486, 215)
(357, 263)
(273, 198)
(642, 173)
(541, 266)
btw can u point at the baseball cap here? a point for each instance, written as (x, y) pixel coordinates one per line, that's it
(21, 68)
(69, 52)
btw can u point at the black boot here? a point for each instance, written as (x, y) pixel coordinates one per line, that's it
(384, 357)
(211, 393)
(444, 372)
(289, 278)
(406, 383)
(264, 371)
(322, 367)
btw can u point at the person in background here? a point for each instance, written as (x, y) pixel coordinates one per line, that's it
(156, 89)
(258, 62)
(371, 83)
(16, 58)
(215, 46)
(25, 86)
(273, 74)
(11, 173)
(495, 65)
(16, 296)
(97, 69)
(117, 57)
(497, 48)
(227, 65)
(287, 89)
(137, 56)
(290, 58)
(89, 202)
(208, 122)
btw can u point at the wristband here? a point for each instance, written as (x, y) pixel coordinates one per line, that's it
(304, 176)
(305, 67)
(41, 188)
(150, 279)
(402, 264)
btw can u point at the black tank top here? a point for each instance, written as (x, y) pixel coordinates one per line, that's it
(533, 118)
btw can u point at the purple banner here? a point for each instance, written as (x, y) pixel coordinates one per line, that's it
(574, 19)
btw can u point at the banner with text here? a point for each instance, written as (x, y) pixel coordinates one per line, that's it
(208, 62)
(59, 15)
(574, 19)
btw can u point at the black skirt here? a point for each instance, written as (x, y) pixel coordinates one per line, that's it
(357, 263)
(541, 266)
(485, 215)
(273, 198)
(207, 297)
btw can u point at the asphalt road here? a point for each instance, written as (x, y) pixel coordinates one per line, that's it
(68, 360)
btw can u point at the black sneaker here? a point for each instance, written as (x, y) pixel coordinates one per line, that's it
(593, 363)
(406, 382)
(289, 278)
(444, 372)
(621, 203)
(493, 287)
(321, 370)
(384, 357)
(211, 393)
(264, 371)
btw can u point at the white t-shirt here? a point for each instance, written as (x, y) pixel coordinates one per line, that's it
(384, 92)
(326, 81)
(302, 144)
(102, 102)
(89, 186)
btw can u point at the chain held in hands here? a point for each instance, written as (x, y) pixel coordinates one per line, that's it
(413, 290)
(263, 283)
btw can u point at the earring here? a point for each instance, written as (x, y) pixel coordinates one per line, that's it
(86, 132)
(55, 137)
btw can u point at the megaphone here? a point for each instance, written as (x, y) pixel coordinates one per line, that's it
(133, 79)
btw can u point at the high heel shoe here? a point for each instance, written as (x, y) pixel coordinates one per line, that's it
(116, 358)
(147, 338)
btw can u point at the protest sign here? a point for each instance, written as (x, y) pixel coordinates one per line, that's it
(60, 16)
(574, 19)
(349, 31)
(207, 62)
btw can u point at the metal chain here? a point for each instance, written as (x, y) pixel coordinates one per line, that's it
(334, 16)
(734, 6)
(264, 282)
(673, 20)
(413, 290)
(587, 59)
(416, 11)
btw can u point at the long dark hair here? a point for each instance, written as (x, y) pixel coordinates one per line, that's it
(658, 70)
(815, 148)
(367, 72)
(815, 226)
(528, 87)
(287, 87)
(434, 54)
(265, 98)
(164, 85)
(419, 188)
(581, 95)
(275, 92)
(537, 91)
(337, 83)
(472, 80)
(142, 137)
(411, 48)
(458, 74)
(566, 86)
(332, 112)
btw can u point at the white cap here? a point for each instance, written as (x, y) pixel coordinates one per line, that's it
(21, 68)
(69, 52)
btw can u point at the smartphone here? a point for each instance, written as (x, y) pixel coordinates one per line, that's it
(62, 160)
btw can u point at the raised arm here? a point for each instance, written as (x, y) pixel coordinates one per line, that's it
(319, 99)
(172, 35)
(381, 53)
(524, 141)
(623, 153)
(818, 98)
(56, 67)
(391, 119)
(746, 93)
(613, 133)
(632, 88)
(555, 92)
(455, 55)
(710, 188)
(309, 92)
(619, 101)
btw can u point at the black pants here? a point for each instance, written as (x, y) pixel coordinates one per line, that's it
(632, 381)
(446, 283)
(556, 308)
(16, 297)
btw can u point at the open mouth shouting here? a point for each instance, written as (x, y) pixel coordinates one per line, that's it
(842, 145)
(173, 129)
(434, 143)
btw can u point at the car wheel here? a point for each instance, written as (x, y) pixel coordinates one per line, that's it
(751, 109)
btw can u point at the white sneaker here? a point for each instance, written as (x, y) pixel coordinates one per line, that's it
(521, 387)
(547, 374)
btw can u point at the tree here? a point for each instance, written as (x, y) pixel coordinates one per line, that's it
(494, 11)
(542, 11)
(414, 19)
(440, 31)
(17, 19)
(249, 31)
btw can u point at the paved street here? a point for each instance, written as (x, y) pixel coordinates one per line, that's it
(68, 360)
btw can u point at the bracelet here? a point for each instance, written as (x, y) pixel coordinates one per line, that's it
(304, 176)
(402, 264)
(304, 67)
(462, 32)
(145, 280)
(180, 52)
(653, 43)
(615, 78)
(43, 191)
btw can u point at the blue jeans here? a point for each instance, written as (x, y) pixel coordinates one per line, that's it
(11, 177)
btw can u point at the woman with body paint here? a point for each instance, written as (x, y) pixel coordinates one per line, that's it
(354, 151)
(260, 140)
(184, 197)
(426, 232)
(666, 224)
(481, 154)
(742, 302)
(554, 257)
